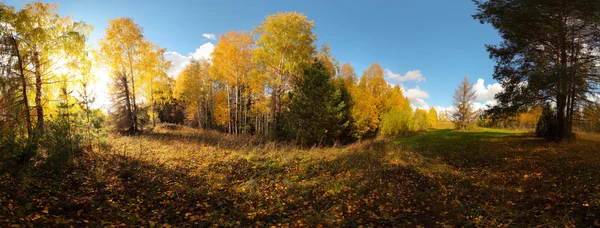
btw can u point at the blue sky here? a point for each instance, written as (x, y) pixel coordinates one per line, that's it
(438, 38)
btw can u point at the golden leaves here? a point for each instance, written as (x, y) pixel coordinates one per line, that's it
(284, 45)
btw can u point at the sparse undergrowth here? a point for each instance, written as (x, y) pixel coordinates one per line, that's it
(184, 177)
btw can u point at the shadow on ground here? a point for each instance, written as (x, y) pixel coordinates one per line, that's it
(430, 179)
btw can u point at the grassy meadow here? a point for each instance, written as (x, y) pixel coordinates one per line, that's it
(181, 177)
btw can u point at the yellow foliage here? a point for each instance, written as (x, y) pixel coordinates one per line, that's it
(284, 47)
(364, 112)
(375, 83)
(530, 118)
(432, 117)
(193, 88)
(221, 108)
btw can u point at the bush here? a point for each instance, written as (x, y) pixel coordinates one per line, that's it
(395, 122)
(16, 149)
(61, 142)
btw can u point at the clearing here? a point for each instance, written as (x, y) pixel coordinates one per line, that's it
(183, 177)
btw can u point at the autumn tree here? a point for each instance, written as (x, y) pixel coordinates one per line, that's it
(420, 120)
(14, 84)
(347, 74)
(43, 51)
(397, 116)
(529, 118)
(590, 117)
(464, 114)
(364, 111)
(374, 82)
(231, 65)
(132, 58)
(194, 88)
(395, 122)
(432, 117)
(548, 53)
(120, 48)
(156, 85)
(44, 42)
(284, 47)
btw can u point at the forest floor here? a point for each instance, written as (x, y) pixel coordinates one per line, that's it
(179, 177)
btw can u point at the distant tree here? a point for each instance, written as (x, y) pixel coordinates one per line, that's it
(464, 114)
(549, 52)
(529, 118)
(421, 120)
(432, 117)
(318, 113)
(590, 117)
(396, 122)
(397, 114)
(171, 111)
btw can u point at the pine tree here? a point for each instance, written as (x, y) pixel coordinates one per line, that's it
(319, 112)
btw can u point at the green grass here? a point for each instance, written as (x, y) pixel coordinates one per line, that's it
(185, 177)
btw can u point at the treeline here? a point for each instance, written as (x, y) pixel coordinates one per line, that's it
(586, 119)
(527, 119)
(274, 82)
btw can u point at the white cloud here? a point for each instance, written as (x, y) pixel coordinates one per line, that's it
(484, 106)
(486, 93)
(413, 75)
(416, 96)
(440, 109)
(179, 62)
(594, 97)
(477, 106)
(209, 36)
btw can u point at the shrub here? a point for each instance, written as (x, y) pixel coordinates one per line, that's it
(15, 148)
(61, 142)
(395, 122)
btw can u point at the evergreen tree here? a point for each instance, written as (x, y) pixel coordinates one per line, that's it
(319, 112)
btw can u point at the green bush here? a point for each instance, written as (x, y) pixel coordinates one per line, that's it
(15, 148)
(61, 142)
(396, 122)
